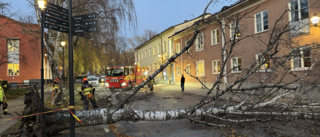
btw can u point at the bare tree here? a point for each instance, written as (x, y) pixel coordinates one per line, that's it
(112, 15)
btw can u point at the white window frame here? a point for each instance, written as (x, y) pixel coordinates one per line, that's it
(200, 42)
(299, 10)
(178, 71)
(236, 69)
(263, 67)
(215, 37)
(261, 21)
(178, 47)
(302, 59)
(234, 29)
(216, 67)
(13, 69)
(188, 69)
(198, 73)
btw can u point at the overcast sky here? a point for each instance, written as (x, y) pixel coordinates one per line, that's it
(156, 15)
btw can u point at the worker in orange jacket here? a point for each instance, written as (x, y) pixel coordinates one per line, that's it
(56, 92)
(87, 94)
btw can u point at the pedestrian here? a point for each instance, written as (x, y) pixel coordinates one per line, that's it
(87, 94)
(182, 82)
(3, 99)
(56, 92)
(151, 83)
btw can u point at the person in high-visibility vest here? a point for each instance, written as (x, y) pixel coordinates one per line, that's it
(3, 98)
(56, 92)
(87, 94)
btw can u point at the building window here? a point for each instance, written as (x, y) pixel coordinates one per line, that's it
(150, 53)
(200, 68)
(234, 30)
(164, 46)
(188, 69)
(155, 66)
(146, 53)
(178, 48)
(216, 67)
(263, 60)
(214, 37)
(299, 14)
(178, 71)
(13, 45)
(301, 58)
(236, 64)
(199, 42)
(150, 67)
(261, 21)
(299, 10)
(159, 49)
(154, 51)
(13, 69)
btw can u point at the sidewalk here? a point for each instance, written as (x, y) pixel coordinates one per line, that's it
(187, 89)
(15, 108)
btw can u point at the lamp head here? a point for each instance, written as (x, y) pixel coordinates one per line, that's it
(42, 4)
(315, 20)
(63, 43)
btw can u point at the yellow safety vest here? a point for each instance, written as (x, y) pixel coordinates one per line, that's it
(87, 90)
(1, 93)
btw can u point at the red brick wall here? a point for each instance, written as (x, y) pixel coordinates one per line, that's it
(29, 38)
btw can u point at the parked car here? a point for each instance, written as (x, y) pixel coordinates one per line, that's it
(93, 80)
(102, 79)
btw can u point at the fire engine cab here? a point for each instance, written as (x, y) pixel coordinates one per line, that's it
(120, 77)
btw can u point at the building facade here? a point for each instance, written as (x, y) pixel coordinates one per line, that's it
(20, 52)
(256, 31)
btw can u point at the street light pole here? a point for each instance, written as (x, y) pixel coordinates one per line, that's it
(42, 6)
(63, 43)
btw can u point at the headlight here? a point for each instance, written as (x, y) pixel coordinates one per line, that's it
(107, 85)
(123, 84)
(102, 79)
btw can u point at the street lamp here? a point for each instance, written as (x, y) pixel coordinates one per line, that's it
(42, 6)
(315, 20)
(63, 43)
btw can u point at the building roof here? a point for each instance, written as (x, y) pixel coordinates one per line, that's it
(223, 10)
(186, 21)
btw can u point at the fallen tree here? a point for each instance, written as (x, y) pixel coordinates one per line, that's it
(274, 93)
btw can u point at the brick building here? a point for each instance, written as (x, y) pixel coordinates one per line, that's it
(20, 52)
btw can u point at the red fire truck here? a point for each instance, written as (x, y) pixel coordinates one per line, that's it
(120, 77)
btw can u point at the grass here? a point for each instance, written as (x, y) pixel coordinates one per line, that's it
(15, 93)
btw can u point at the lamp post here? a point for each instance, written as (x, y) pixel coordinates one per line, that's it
(42, 6)
(63, 43)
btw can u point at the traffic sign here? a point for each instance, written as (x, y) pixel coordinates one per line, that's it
(89, 29)
(56, 14)
(56, 21)
(57, 8)
(56, 27)
(85, 23)
(81, 34)
(85, 17)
